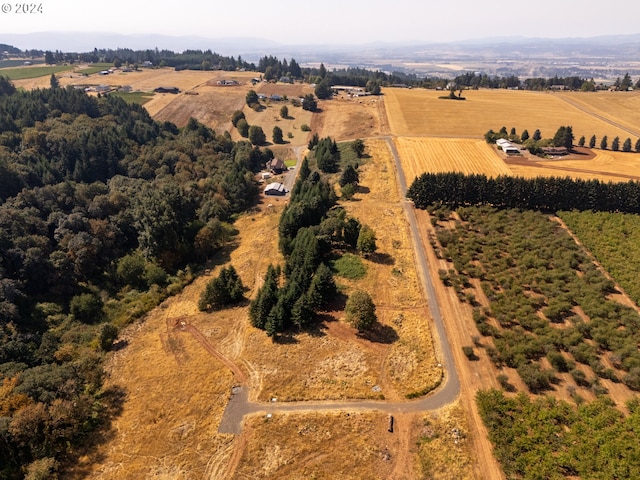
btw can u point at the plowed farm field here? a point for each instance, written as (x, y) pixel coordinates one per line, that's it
(433, 155)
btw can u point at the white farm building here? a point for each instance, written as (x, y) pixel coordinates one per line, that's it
(508, 147)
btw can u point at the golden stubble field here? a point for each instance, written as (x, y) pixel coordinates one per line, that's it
(430, 132)
(414, 112)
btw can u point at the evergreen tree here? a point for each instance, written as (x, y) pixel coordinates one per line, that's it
(284, 112)
(615, 145)
(537, 135)
(304, 171)
(277, 135)
(603, 143)
(309, 102)
(266, 299)
(637, 147)
(592, 141)
(225, 289)
(323, 287)
(323, 90)
(358, 147)
(525, 135)
(53, 81)
(626, 147)
(582, 141)
(564, 138)
(349, 176)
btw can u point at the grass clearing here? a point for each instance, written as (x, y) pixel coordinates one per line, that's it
(134, 97)
(349, 266)
(24, 73)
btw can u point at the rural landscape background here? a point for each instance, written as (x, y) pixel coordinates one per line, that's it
(419, 303)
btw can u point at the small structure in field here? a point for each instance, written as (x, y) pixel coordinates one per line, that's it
(167, 90)
(227, 83)
(275, 189)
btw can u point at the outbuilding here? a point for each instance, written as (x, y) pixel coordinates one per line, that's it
(275, 189)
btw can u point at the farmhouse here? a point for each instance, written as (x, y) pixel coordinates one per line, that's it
(276, 189)
(227, 83)
(559, 151)
(276, 165)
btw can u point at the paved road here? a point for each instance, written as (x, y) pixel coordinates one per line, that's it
(239, 405)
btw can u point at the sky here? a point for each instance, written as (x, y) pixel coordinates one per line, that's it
(330, 22)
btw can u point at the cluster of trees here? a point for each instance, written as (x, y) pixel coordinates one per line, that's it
(102, 212)
(474, 81)
(308, 281)
(224, 290)
(326, 153)
(253, 133)
(312, 230)
(563, 138)
(274, 69)
(541, 193)
(188, 59)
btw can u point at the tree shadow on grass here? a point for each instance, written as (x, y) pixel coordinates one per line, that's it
(382, 258)
(379, 333)
(362, 189)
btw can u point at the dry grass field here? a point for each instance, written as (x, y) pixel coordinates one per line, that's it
(414, 112)
(345, 118)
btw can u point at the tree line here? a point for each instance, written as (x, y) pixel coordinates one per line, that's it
(542, 193)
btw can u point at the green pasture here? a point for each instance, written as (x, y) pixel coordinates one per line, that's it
(23, 73)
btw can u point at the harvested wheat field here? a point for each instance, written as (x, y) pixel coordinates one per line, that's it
(603, 165)
(415, 112)
(434, 155)
(622, 108)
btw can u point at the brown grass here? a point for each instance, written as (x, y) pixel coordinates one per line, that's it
(420, 112)
(343, 118)
(323, 446)
(269, 116)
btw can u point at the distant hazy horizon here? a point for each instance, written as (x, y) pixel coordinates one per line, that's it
(331, 22)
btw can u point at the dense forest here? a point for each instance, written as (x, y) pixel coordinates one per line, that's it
(103, 213)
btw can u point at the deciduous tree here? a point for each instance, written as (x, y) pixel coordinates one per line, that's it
(360, 311)
(366, 240)
(256, 135)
